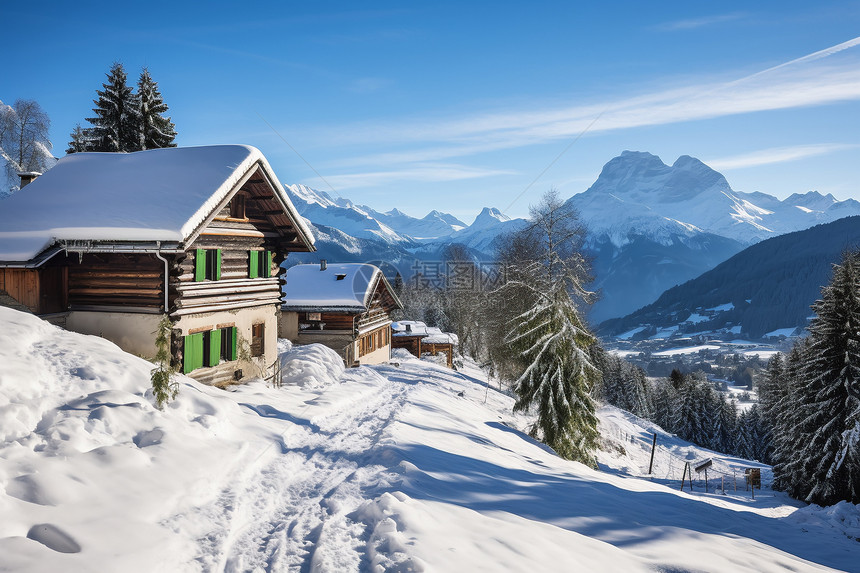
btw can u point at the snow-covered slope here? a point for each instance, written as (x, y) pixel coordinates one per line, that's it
(408, 467)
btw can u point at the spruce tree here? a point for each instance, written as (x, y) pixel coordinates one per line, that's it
(550, 339)
(771, 392)
(832, 371)
(115, 126)
(78, 141)
(790, 433)
(155, 130)
(553, 339)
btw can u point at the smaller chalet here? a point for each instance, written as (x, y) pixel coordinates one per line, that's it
(343, 306)
(420, 339)
(110, 243)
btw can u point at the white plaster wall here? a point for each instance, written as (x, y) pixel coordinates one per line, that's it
(133, 332)
(289, 326)
(378, 356)
(243, 319)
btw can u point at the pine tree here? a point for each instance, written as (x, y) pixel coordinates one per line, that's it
(790, 433)
(115, 126)
(771, 392)
(553, 339)
(155, 130)
(832, 371)
(686, 419)
(78, 141)
(550, 339)
(725, 426)
(665, 400)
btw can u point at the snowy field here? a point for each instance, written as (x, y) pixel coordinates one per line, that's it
(402, 467)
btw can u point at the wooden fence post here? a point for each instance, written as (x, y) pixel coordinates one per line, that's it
(653, 447)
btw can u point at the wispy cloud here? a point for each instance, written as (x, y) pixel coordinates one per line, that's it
(417, 173)
(702, 22)
(777, 155)
(802, 82)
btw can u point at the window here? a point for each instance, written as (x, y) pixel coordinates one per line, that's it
(257, 339)
(208, 348)
(237, 207)
(207, 265)
(259, 264)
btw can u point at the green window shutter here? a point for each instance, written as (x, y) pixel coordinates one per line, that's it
(200, 265)
(214, 347)
(217, 273)
(231, 342)
(268, 258)
(253, 265)
(192, 354)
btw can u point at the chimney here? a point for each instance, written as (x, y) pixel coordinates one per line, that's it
(27, 177)
(408, 328)
(323, 264)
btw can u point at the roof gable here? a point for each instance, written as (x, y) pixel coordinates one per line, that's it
(160, 194)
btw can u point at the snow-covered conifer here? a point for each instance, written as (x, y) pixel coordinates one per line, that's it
(550, 338)
(832, 389)
(155, 130)
(115, 125)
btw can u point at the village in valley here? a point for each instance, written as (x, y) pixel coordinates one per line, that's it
(225, 347)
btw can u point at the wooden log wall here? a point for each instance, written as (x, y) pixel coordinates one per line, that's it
(235, 289)
(117, 280)
(22, 285)
(376, 315)
(337, 321)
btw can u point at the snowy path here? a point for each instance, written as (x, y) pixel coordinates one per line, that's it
(291, 508)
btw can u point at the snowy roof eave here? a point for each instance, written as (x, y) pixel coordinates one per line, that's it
(322, 308)
(242, 172)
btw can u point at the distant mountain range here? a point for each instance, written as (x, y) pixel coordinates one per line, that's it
(651, 226)
(767, 287)
(349, 232)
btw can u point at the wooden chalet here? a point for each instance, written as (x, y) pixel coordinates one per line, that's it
(420, 339)
(108, 243)
(343, 306)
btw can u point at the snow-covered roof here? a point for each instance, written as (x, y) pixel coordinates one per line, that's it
(428, 334)
(340, 287)
(154, 195)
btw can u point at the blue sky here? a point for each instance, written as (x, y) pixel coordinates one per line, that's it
(456, 106)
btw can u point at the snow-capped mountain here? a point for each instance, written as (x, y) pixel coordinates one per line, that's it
(362, 221)
(487, 226)
(342, 214)
(636, 192)
(652, 226)
(432, 226)
(348, 232)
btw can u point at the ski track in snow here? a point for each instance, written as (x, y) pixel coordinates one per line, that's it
(289, 509)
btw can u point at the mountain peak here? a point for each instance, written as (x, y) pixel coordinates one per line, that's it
(489, 216)
(689, 163)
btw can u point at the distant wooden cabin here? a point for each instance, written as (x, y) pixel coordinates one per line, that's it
(108, 243)
(343, 306)
(420, 339)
